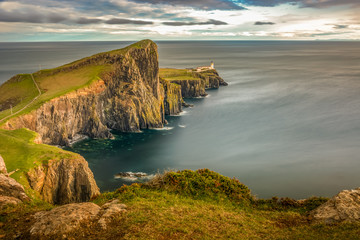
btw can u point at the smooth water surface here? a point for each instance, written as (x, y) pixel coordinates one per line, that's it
(288, 124)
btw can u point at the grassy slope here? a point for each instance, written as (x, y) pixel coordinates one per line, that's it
(20, 153)
(55, 82)
(176, 74)
(194, 205)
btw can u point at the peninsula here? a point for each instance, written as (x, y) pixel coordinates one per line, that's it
(49, 193)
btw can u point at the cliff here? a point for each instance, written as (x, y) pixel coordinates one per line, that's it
(64, 181)
(47, 172)
(173, 100)
(193, 84)
(126, 97)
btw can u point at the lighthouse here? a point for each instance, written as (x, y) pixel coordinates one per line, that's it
(212, 65)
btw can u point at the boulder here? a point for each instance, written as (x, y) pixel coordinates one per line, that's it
(11, 188)
(3, 169)
(63, 219)
(59, 221)
(109, 210)
(344, 207)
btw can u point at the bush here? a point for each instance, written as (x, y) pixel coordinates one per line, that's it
(202, 183)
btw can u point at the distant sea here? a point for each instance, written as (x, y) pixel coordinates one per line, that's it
(288, 124)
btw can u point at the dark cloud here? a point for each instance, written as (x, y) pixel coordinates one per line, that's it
(127, 21)
(264, 23)
(302, 3)
(30, 16)
(341, 26)
(200, 4)
(87, 20)
(209, 22)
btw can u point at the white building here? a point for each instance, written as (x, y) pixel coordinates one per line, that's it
(205, 68)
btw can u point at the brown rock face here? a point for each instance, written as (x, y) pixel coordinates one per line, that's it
(128, 98)
(343, 207)
(173, 99)
(64, 181)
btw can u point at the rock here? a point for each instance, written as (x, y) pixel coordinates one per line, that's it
(345, 206)
(63, 219)
(109, 210)
(3, 169)
(59, 221)
(5, 200)
(64, 181)
(11, 188)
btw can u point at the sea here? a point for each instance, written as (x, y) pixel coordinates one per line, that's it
(288, 124)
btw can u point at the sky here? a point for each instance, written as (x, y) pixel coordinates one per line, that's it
(116, 20)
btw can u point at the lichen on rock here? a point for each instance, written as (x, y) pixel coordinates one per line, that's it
(344, 207)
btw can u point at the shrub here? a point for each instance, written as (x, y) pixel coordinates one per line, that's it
(202, 183)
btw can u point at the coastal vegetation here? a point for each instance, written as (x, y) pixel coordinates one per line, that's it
(192, 205)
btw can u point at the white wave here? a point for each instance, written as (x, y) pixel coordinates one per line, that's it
(162, 129)
(182, 126)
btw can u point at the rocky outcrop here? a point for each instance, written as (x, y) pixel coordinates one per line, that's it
(191, 88)
(197, 87)
(127, 98)
(64, 181)
(173, 100)
(345, 206)
(11, 192)
(59, 221)
(211, 78)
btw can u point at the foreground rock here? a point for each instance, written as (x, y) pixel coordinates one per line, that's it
(345, 206)
(67, 218)
(3, 169)
(11, 192)
(64, 181)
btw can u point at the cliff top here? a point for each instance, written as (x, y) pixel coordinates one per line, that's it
(173, 74)
(20, 94)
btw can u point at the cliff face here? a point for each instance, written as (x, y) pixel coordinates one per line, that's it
(196, 88)
(64, 181)
(173, 100)
(127, 98)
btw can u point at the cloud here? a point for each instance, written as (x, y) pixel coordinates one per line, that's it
(264, 23)
(30, 16)
(302, 3)
(340, 26)
(127, 21)
(87, 20)
(209, 22)
(199, 4)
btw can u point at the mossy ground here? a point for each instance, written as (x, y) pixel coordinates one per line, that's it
(193, 205)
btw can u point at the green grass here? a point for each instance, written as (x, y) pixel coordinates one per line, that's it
(21, 154)
(55, 82)
(17, 92)
(177, 74)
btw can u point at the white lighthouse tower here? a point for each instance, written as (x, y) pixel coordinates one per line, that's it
(212, 65)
